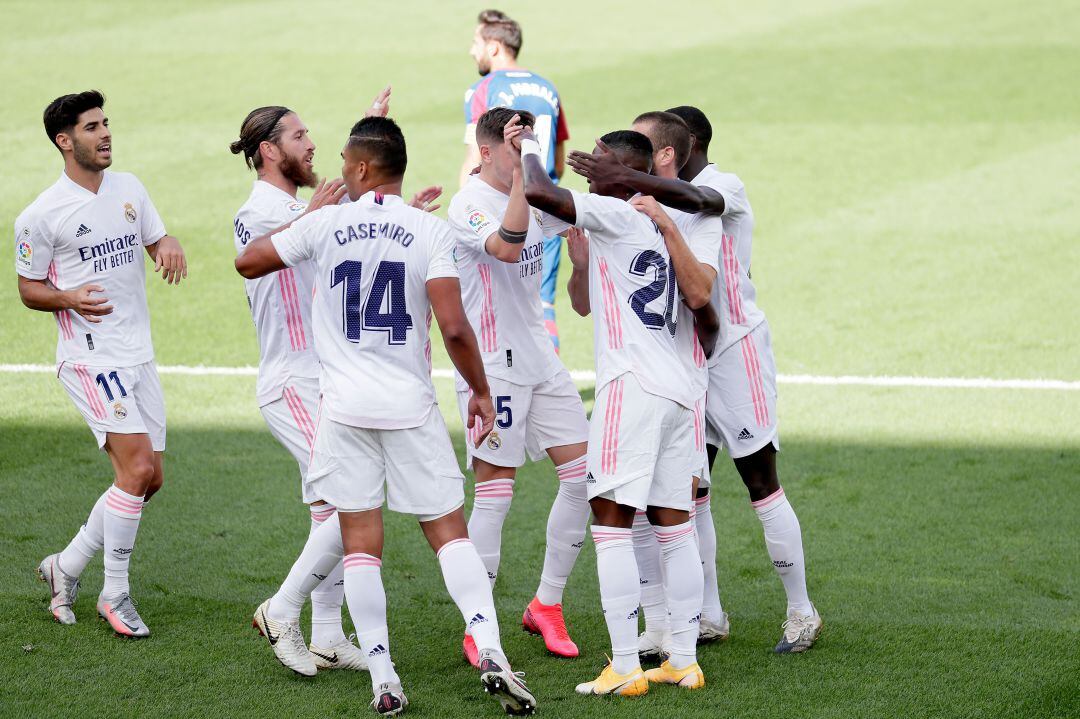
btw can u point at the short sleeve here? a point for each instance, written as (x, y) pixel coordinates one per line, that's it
(735, 202)
(441, 258)
(33, 249)
(550, 224)
(705, 237)
(294, 244)
(605, 217)
(151, 227)
(473, 225)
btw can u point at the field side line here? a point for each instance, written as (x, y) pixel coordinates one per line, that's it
(590, 376)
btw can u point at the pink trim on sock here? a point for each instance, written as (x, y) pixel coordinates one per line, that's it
(775, 496)
(574, 469)
(666, 535)
(322, 512)
(495, 489)
(610, 534)
(703, 500)
(452, 543)
(119, 503)
(359, 560)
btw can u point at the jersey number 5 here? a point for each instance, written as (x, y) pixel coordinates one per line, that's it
(383, 311)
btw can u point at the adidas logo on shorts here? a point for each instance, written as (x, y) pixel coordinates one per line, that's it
(745, 434)
(589, 479)
(83, 230)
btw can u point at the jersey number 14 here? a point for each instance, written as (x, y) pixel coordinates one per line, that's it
(384, 310)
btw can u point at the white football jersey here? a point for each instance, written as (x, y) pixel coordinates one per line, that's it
(704, 236)
(734, 295)
(634, 299)
(75, 237)
(280, 302)
(502, 299)
(372, 258)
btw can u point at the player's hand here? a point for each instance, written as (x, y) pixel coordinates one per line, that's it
(422, 200)
(647, 205)
(481, 411)
(525, 134)
(604, 164)
(577, 246)
(380, 106)
(327, 193)
(512, 135)
(89, 307)
(169, 259)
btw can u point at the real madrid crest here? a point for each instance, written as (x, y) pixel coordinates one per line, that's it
(129, 212)
(493, 440)
(119, 410)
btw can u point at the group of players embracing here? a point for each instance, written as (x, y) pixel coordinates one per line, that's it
(343, 289)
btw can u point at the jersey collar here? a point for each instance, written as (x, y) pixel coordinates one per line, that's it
(377, 198)
(75, 188)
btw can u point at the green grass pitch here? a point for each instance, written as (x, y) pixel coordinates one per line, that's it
(913, 168)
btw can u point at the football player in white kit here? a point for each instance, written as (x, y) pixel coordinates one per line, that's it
(382, 266)
(78, 254)
(539, 412)
(696, 265)
(741, 404)
(641, 441)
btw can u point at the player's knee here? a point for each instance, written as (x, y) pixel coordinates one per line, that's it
(140, 475)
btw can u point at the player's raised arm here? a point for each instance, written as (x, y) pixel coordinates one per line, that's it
(506, 243)
(695, 279)
(577, 245)
(605, 165)
(540, 191)
(444, 293)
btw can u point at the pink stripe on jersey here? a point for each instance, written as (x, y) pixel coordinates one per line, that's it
(731, 283)
(753, 377)
(318, 417)
(699, 352)
(612, 316)
(427, 344)
(90, 391)
(359, 560)
(285, 308)
(451, 544)
(300, 414)
(298, 316)
(774, 497)
(699, 434)
(63, 319)
(488, 340)
(290, 307)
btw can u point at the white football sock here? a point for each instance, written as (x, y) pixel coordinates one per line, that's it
(490, 506)
(322, 552)
(619, 593)
(683, 585)
(120, 524)
(783, 538)
(367, 605)
(565, 531)
(651, 575)
(463, 572)
(87, 542)
(327, 598)
(706, 538)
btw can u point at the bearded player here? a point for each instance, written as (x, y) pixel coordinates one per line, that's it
(500, 244)
(741, 404)
(77, 254)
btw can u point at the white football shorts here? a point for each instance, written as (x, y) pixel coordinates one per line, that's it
(414, 470)
(291, 419)
(740, 406)
(528, 419)
(641, 448)
(122, 400)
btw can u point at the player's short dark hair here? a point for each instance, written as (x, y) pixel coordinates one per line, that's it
(63, 112)
(489, 128)
(263, 124)
(697, 122)
(631, 145)
(497, 26)
(383, 142)
(670, 130)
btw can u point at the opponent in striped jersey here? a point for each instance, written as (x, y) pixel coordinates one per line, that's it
(498, 253)
(641, 433)
(381, 265)
(275, 144)
(741, 405)
(78, 254)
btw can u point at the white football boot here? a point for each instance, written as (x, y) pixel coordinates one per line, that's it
(654, 646)
(800, 632)
(389, 700)
(343, 655)
(714, 631)
(504, 684)
(286, 640)
(64, 589)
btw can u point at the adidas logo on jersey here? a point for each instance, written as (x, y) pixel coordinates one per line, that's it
(478, 618)
(745, 434)
(377, 650)
(83, 230)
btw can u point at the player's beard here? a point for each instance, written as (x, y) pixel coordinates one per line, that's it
(296, 170)
(483, 67)
(86, 156)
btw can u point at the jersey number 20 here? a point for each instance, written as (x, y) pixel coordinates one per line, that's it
(383, 311)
